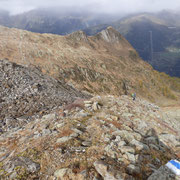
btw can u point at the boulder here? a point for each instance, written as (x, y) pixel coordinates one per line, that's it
(163, 173)
(102, 169)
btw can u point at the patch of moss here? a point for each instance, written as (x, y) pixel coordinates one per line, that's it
(21, 173)
(31, 153)
(133, 55)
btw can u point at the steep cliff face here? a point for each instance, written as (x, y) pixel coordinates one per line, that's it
(104, 63)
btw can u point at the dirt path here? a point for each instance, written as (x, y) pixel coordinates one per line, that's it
(171, 116)
(172, 110)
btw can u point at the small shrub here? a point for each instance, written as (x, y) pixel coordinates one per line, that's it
(133, 55)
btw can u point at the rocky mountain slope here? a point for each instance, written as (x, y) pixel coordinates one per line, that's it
(25, 91)
(102, 64)
(106, 137)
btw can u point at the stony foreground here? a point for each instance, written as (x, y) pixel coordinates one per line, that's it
(110, 138)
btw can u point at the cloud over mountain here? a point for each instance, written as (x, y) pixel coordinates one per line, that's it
(110, 6)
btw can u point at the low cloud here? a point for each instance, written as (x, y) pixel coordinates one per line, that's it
(108, 6)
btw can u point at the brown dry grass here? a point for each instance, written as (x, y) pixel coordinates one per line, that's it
(115, 123)
(65, 132)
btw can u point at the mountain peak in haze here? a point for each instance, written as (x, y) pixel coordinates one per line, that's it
(110, 35)
(78, 36)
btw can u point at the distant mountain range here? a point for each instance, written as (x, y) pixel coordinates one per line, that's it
(163, 53)
(165, 28)
(55, 21)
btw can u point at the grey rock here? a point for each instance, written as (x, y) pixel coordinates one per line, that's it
(127, 128)
(137, 136)
(37, 135)
(95, 106)
(88, 102)
(46, 132)
(49, 117)
(118, 138)
(86, 143)
(88, 105)
(63, 139)
(121, 143)
(127, 149)
(77, 131)
(133, 169)
(152, 146)
(102, 169)
(81, 114)
(60, 125)
(24, 162)
(140, 126)
(151, 140)
(127, 136)
(110, 152)
(106, 139)
(127, 115)
(84, 173)
(79, 149)
(163, 173)
(139, 145)
(11, 122)
(74, 135)
(131, 157)
(166, 138)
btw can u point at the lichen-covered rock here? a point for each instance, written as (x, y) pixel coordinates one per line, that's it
(63, 139)
(20, 167)
(163, 173)
(102, 169)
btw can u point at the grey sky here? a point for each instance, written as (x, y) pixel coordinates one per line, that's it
(109, 6)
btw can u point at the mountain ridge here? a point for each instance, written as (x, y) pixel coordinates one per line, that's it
(91, 63)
